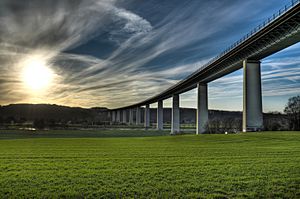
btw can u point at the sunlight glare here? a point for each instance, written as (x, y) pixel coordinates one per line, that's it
(36, 74)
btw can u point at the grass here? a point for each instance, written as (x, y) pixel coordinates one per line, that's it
(250, 165)
(20, 134)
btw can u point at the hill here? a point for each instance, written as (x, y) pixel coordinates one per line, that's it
(52, 115)
(31, 112)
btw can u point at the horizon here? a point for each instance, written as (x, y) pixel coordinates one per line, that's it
(281, 112)
(115, 53)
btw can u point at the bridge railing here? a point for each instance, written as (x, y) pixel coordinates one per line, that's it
(266, 22)
(269, 20)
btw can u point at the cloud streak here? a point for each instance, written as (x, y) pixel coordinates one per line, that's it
(113, 53)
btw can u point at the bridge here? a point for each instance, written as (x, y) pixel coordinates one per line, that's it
(276, 33)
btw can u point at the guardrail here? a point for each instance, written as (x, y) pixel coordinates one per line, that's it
(282, 11)
(269, 20)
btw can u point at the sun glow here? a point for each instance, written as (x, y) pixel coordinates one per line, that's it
(36, 75)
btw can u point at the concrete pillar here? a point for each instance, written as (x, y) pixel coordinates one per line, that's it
(138, 116)
(175, 126)
(147, 116)
(113, 119)
(160, 113)
(252, 97)
(118, 116)
(202, 108)
(124, 116)
(109, 115)
(131, 116)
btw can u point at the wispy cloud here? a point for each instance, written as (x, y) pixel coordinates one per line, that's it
(147, 49)
(280, 78)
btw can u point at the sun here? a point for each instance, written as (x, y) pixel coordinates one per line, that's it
(36, 75)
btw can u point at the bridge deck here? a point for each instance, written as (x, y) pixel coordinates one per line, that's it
(278, 32)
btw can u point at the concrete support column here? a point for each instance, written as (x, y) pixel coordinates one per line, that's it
(113, 119)
(252, 97)
(118, 116)
(124, 116)
(175, 126)
(109, 115)
(160, 112)
(138, 116)
(202, 108)
(131, 116)
(147, 116)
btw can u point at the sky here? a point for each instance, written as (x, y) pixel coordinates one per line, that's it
(114, 53)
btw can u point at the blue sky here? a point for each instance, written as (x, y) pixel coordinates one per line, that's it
(115, 53)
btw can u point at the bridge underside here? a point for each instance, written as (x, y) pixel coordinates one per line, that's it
(269, 38)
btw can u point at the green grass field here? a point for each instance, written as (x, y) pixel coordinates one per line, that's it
(64, 164)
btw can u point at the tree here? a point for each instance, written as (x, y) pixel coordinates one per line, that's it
(39, 123)
(292, 109)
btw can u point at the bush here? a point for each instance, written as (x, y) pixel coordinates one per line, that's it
(220, 126)
(39, 123)
(292, 109)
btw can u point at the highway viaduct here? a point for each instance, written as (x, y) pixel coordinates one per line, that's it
(276, 33)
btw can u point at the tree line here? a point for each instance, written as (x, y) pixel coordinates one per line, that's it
(273, 121)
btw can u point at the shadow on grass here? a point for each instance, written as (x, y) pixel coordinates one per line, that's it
(107, 133)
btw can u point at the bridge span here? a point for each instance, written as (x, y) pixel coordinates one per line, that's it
(276, 33)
